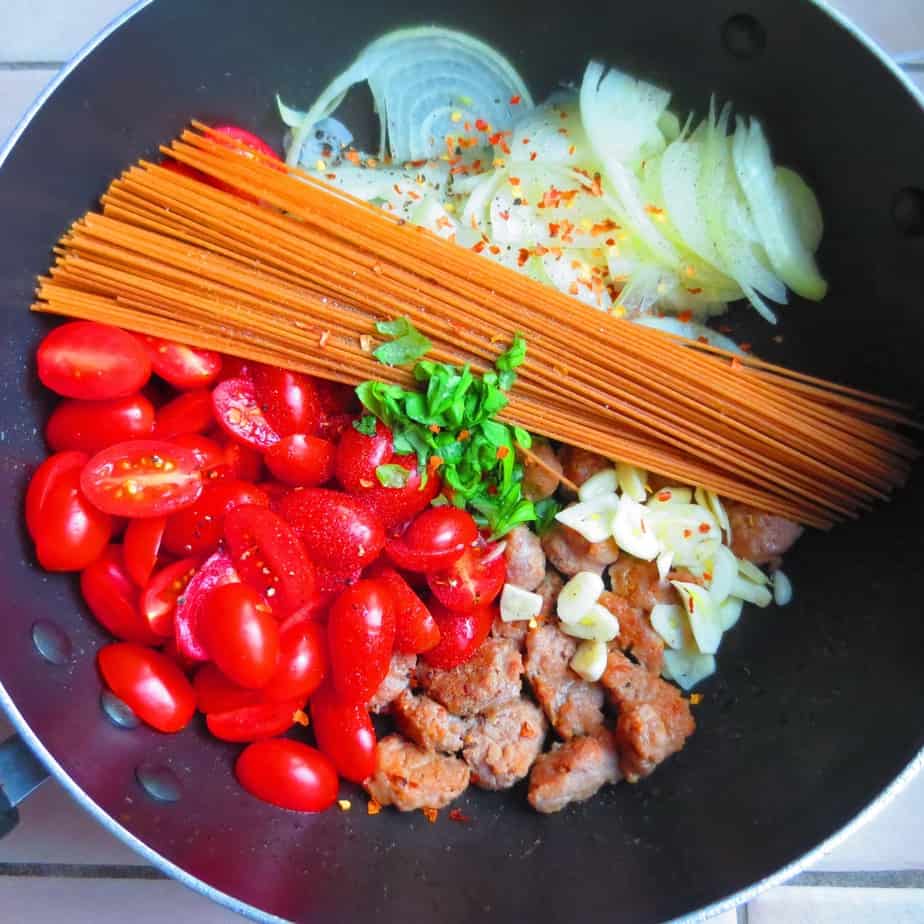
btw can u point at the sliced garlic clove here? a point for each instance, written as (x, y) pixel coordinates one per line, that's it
(713, 503)
(688, 668)
(782, 589)
(632, 481)
(730, 612)
(589, 661)
(593, 518)
(665, 560)
(603, 482)
(758, 594)
(633, 532)
(579, 595)
(517, 604)
(669, 620)
(670, 495)
(724, 570)
(703, 615)
(597, 624)
(750, 571)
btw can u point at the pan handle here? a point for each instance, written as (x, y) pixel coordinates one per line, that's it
(21, 773)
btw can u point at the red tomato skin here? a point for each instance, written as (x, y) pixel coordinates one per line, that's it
(336, 398)
(360, 636)
(175, 166)
(190, 412)
(416, 630)
(239, 414)
(299, 460)
(45, 477)
(141, 546)
(288, 774)
(394, 506)
(344, 733)
(421, 561)
(91, 426)
(215, 572)
(359, 455)
(248, 138)
(234, 367)
(288, 400)
(184, 367)
(441, 529)
(460, 634)
(254, 723)
(112, 598)
(333, 426)
(469, 583)
(159, 598)
(240, 634)
(150, 683)
(215, 693)
(338, 532)
(243, 462)
(91, 361)
(302, 663)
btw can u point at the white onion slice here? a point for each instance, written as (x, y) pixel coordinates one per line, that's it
(703, 615)
(691, 331)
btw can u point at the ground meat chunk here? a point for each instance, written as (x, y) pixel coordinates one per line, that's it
(427, 723)
(490, 677)
(570, 552)
(408, 777)
(635, 633)
(654, 719)
(637, 582)
(503, 742)
(573, 771)
(548, 589)
(541, 479)
(579, 464)
(397, 679)
(760, 537)
(574, 707)
(525, 558)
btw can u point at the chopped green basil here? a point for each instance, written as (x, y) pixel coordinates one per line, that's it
(392, 476)
(407, 345)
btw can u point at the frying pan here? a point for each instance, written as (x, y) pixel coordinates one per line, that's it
(811, 722)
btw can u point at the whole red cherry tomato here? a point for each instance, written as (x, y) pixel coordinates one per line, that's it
(183, 366)
(460, 634)
(433, 541)
(302, 662)
(190, 412)
(216, 693)
(415, 628)
(142, 478)
(113, 598)
(254, 723)
(338, 532)
(269, 557)
(333, 426)
(336, 398)
(90, 426)
(288, 774)
(141, 546)
(394, 506)
(301, 460)
(359, 455)
(248, 138)
(240, 634)
(175, 166)
(160, 596)
(473, 581)
(83, 359)
(216, 571)
(150, 683)
(344, 733)
(361, 636)
(288, 400)
(46, 476)
(239, 414)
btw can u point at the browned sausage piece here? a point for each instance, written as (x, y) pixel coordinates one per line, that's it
(525, 558)
(397, 679)
(409, 778)
(541, 481)
(548, 589)
(637, 582)
(503, 742)
(427, 723)
(760, 537)
(573, 771)
(570, 552)
(635, 633)
(574, 707)
(579, 464)
(490, 677)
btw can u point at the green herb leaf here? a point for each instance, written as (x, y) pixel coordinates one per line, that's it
(524, 439)
(365, 425)
(392, 476)
(407, 346)
(545, 514)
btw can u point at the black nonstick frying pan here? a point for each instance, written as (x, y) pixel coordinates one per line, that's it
(815, 714)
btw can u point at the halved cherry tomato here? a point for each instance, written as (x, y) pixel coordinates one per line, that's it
(142, 478)
(113, 598)
(288, 400)
(415, 628)
(269, 557)
(344, 733)
(394, 506)
(361, 636)
(240, 634)
(288, 774)
(150, 683)
(338, 532)
(239, 414)
(159, 600)
(460, 634)
(190, 412)
(83, 359)
(302, 662)
(216, 693)
(198, 529)
(254, 723)
(183, 366)
(301, 460)
(89, 426)
(473, 581)
(46, 476)
(141, 547)
(359, 455)
(216, 571)
(209, 454)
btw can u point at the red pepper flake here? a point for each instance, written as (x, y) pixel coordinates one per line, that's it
(687, 533)
(702, 338)
(573, 288)
(492, 489)
(746, 347)
(696, 291)
(372, 807)
(540, 250)
(596, 188)
(460, 169)
(704, 527)
(707, 575)
(571, 150)
(563, 131)
(532, 155)
(352, 156)
(685, 316)
(502, 452)
(443, 222)
(601, 227)
(434, 428)
(457, 814)
(476, 165)
(478, 247)
(665, 496)
(505, 215)
(413, 194)
(692, 604)
(299, 718)
(515, 100)
(562, 114)
(553, 229)
(482, 126)
(468, 126)
(504, 146)
(736, 363)
(434, 462)
(610, 242)
(522, 256)
(331, 176)
(494, 249)
(525, 141)
(463, 435)
(513, 180)
(654, 210)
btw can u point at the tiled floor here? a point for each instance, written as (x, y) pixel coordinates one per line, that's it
(876, 876)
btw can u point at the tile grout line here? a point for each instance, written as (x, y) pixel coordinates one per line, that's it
(741, 914)
(884, 879)
(78, 871)
(31, 65)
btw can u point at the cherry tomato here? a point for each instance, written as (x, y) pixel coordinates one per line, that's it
(415, 628)
(242, 462)
(338, 532)
(83, 359)
(394, 506)
(141, 547)
(160, 596)
(269, 557)
(333, 426)
(190, 412)
(460, 634)
(288, 774)
(170, 650)
(361, 636)
(334, 580)
(274, 491)
(175, 166)
(240, 634)
(183, 366)
(216, 693)
(471, 582)
(248, 138)
(234, 367)
(113, 598)
(359, 455)
(288, 400)
(239, 414)
(89, 426)
(210, 455)
(344, 733)
(142, 478)
(301, 460)
(435, 540)
(254, 723)
(150, 683)
(336, 398)
(215, 572)
(302, 662)
(198, 529)
(45, 478)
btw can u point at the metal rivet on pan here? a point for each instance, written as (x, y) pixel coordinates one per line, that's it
(51, 642)
(118, 712)
(159, 782)
(743, 36)
(908, 211)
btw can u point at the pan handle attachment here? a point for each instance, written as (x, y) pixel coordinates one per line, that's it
(21, 773)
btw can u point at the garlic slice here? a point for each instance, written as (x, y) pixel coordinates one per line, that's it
(517, 604)
(589, 661)
(579, 595)
(597, 624)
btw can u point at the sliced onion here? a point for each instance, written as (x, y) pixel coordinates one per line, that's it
(692, 331)
(554, 133)
(804, 206)
(688, 668)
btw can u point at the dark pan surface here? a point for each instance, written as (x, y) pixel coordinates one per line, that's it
(816, 708)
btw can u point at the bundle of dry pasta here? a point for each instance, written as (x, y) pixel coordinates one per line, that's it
(268, 263)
